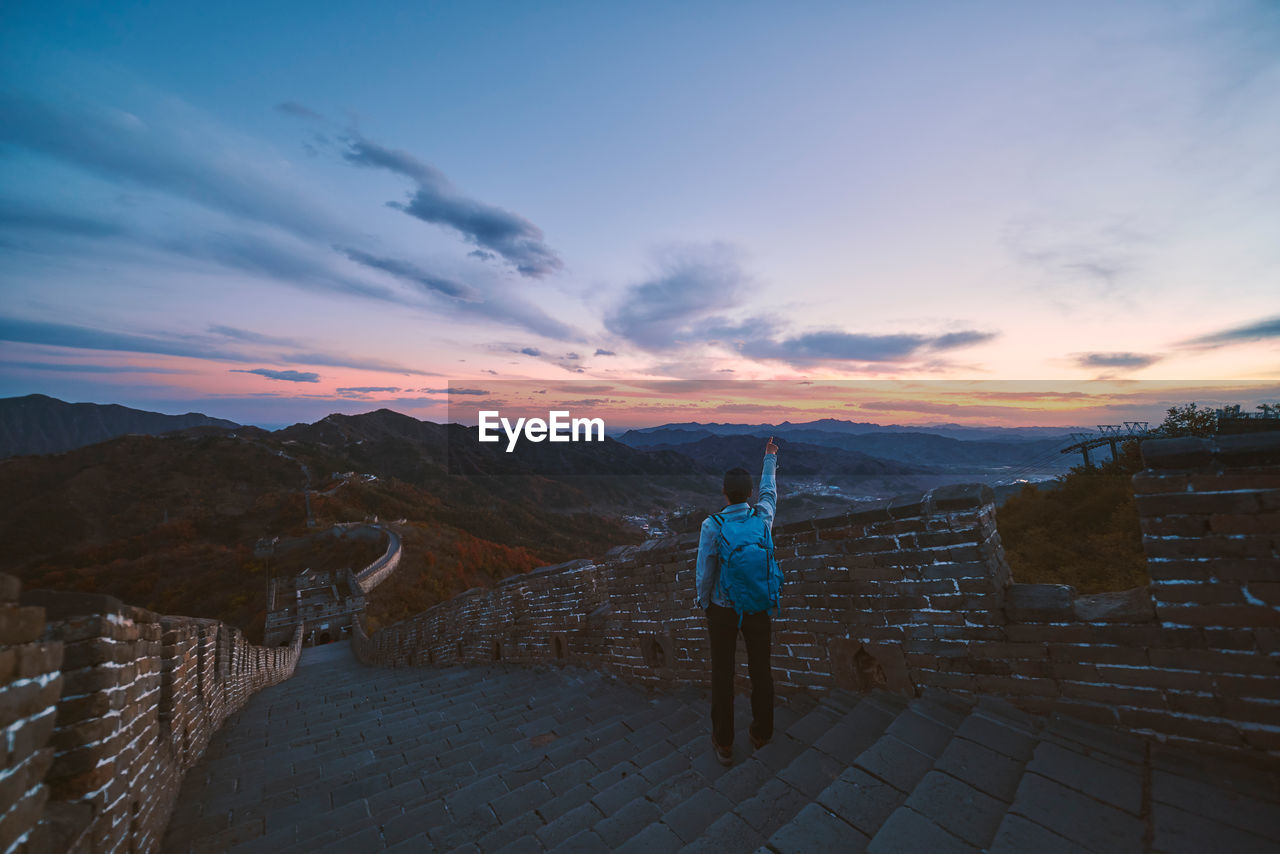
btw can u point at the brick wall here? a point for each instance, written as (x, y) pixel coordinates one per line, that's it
(915, 592)
(373, 574)
(104, 707)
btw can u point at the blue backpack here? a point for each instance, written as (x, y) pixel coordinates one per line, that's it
(750, 577)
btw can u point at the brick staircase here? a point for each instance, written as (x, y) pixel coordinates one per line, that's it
(530, 759)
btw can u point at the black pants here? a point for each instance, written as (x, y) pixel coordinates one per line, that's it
(757, 631)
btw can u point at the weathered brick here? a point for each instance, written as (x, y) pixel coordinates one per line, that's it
(36, 659)
(20, 624)
(1198, 503)
(1188, 726)
(1200, 593)
(22, 700)
(1220, 615)
(1155, 481)
(1175, 526)
(1039, 602)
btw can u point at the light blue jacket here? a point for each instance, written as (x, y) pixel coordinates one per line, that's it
(708, 571)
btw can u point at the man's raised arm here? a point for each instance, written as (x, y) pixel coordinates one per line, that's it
(768, 503)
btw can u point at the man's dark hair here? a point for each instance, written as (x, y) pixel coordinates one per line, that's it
(737, 485)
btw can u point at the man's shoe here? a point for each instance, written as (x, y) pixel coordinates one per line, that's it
(758, 743)
(724, 754)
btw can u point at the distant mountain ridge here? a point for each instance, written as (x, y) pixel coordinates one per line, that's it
(720, 453)
(836, 425)
(173, 522)
(980, 449)
(39, 424)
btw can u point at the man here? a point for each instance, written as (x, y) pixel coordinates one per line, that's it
(724, 622)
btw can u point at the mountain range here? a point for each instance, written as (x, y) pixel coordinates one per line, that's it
(916, 451)
(38, 424)
(836, 425)
(171, 521)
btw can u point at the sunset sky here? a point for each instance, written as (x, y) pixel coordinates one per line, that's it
(270, 212)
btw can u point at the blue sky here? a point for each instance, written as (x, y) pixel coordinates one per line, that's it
(273, 213)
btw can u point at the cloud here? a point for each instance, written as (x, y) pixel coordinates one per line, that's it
(1096, 254)
(304, 267)
(465, 391)
(252, 337)
(1263, 330)
(370, 389)
(189, 346)
(409, 272)
(981, 394)
(184, 155)
(744, 407)
(956, 340)
(671, 309)
(287, 376)
(296, 265)
(121, 146)
(600, 352)
(338, 360)
(688, 303)
(567, 361)
(82, 368)
(436, 201)
(86, 338)
(954, 410)
(1116, 360)
(293, 108)
(835, 346)
(30, 218)
(290, 261)
(481, 254)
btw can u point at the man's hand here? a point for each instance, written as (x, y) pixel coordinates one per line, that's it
(771, 448)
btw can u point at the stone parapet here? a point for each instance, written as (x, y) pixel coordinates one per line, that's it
(914, 592)
(105, 706)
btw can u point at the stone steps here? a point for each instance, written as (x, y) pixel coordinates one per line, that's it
(502, 758)
(650, 760)
(873, 789)
(479, 800)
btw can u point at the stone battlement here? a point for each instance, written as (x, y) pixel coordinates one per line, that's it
(915, 593)
(104, 707)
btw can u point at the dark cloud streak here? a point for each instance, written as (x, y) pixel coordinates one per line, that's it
(301, 111)
(411, 273)
(191, 347)
(435, 201)
(286, 376)
(1116, 360)
(1263, 330)
(121, 146)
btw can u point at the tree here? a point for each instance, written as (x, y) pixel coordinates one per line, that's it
(1189, 420)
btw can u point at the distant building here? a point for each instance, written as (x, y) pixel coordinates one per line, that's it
(1231, 419)
(324, 603)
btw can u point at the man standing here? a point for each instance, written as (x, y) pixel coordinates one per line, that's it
(738, 540)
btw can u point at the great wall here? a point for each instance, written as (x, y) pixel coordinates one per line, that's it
(904, 612)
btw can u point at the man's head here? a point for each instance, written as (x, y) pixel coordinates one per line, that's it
(738, 485)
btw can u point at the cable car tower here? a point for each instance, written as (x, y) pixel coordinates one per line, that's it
(1109, 434)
